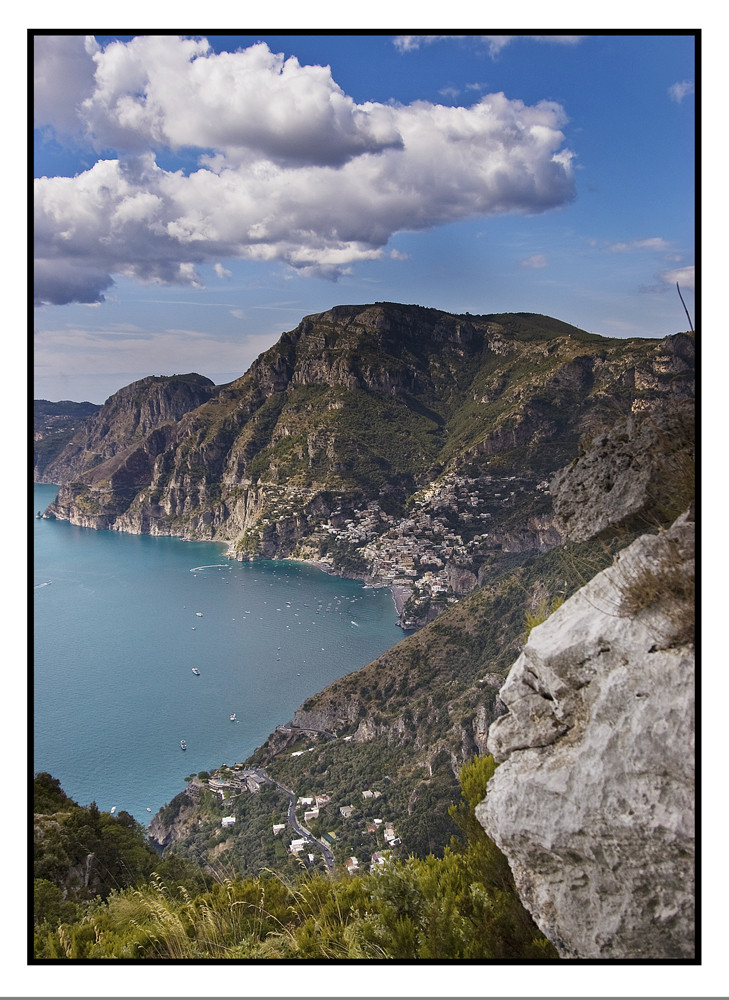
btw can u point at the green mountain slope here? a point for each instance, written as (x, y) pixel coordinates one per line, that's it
(54, 424)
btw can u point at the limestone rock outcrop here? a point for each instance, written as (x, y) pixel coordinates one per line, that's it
(593, 801)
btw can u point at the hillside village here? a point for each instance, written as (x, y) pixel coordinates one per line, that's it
(230, 782)
(435, 552)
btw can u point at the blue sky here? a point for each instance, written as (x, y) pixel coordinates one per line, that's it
(198, 195)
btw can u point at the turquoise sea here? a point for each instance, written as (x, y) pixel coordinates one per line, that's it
(120, 621)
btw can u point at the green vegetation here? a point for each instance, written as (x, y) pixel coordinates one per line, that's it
(388, 404)
(81, 854)
(460, 906)
(534, 618)
(420, 702)
(54, 424)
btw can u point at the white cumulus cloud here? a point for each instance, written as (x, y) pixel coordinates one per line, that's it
(289, 167)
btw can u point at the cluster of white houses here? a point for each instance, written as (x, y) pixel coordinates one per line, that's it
(240, 778)
(415, 550)
(311, 804)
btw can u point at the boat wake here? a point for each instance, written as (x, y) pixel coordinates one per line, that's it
(46, 584)
(197, 569)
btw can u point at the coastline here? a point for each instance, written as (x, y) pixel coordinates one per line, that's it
(401, 594)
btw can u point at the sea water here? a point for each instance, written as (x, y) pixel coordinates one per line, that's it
(120, 620)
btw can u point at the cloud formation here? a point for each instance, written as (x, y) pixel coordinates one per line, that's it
(651, 243)
(684, 276)
(289, 167)
(536, 260)
(677, 91)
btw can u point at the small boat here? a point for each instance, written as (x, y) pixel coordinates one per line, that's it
(149, 810)
(112, 810)
(199, 614)
(183, 745)
(39, 514)
(196, 671)
(233, 718)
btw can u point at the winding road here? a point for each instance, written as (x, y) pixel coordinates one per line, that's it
(261, 775)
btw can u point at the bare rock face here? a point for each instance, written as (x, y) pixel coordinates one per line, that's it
(125, 420)
(593, 803)
(631, 471)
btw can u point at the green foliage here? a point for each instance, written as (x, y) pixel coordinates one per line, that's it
(80, 852)
(508, 927)
(534, 618)
(460, 906)
(48, 796)
(376, 401)
(371, 405)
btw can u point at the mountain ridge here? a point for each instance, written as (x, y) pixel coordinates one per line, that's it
(380, 410)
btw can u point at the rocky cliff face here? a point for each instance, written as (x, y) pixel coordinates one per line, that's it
(634, 474)
(413, 717)
(176, 820)
(593, 803)
(125, 420)
(54, 425)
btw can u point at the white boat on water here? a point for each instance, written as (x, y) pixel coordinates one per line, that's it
(199, 614)
(183, 745)
(112, 810)
(233, 718)
(196, 671)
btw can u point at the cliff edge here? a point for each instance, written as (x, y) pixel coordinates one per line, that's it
(593, 801)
